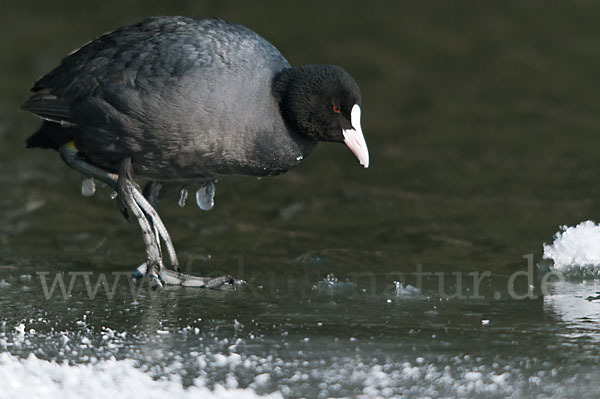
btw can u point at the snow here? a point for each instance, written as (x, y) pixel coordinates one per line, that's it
(35, 378)
(575, 249)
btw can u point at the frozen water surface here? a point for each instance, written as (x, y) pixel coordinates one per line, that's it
(331, 341)
(310, 333)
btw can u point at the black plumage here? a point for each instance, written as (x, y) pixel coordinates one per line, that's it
(187, 99)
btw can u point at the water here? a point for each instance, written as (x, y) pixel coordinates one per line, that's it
(481, 121)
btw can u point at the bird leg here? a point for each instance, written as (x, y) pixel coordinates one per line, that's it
(153, 229)
(130, 198)
(150, 234)
(170, 277)
(158, 226)
(71, 156)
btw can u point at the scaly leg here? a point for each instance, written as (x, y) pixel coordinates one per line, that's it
(170, 277)
(125, 189)
(150, 222)
(130, 198)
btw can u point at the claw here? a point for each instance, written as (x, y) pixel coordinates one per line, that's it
(154, 281)
(218, 281)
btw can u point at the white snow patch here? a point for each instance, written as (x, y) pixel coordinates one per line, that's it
(575, 248)
(232, 360)
(473, 376)
(36, 378)
(262, 379)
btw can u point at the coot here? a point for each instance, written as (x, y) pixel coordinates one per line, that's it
(182, 102)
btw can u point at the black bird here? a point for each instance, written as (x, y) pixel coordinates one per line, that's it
(182, 102)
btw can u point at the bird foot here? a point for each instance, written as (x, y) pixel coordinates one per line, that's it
(170, 277)
(154, 280)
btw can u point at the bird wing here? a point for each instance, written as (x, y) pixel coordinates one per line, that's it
(138, 58)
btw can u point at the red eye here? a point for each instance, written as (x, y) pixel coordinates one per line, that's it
(337, 109)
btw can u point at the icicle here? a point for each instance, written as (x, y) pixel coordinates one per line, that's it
(183, 194)
(88, 187)
(205, 197)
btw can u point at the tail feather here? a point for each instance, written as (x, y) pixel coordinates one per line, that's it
(47, 106)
